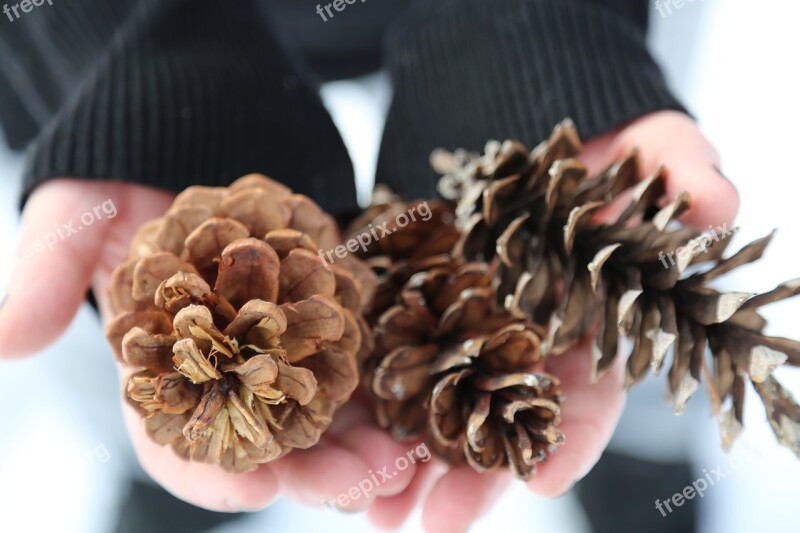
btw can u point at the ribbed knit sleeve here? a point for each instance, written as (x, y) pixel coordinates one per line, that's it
(191, 92)
(466, 71)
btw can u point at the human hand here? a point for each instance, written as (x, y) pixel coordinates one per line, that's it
(48, 285)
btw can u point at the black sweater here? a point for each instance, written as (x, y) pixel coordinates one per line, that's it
(172, 93)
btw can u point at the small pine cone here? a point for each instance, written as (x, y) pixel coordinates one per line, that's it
(536, 213)
(243, 342)
(454, 370)
(400, 251)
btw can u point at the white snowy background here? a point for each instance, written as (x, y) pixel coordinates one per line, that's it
(63, 451)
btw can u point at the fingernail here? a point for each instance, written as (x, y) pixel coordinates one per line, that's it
(568, 490)
(237, 507)
(243, 509)
(723, 176)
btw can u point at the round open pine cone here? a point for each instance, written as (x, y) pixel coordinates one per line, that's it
(536, 213)
(454, 370)
(241, 340)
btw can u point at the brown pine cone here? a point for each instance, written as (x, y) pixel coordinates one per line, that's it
(536, 213)
(454, 370)
(242, 340)
(400, 251)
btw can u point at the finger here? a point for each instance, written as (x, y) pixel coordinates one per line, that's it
(52, 269)
(590, 414)
(206, 486)
(391, 512)
(672, 140)
(460, 497)
(348, 416)
(354, 428)
(715, 201)
(142, 204)
(326, 474)
(390, 462)
(691, 165)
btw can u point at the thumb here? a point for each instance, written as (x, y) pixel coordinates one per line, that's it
(715, 201)
(674, 141)
(62, 236)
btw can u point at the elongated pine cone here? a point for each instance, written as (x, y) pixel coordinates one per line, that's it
(242, 342)
(642, 275)
(453, 369)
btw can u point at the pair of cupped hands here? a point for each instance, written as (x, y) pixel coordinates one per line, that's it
(53, 286)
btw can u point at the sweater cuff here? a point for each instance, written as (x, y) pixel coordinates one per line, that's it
(195, 93)
(466, 71)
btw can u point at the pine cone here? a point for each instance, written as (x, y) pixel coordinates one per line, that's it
(401, 251)
(535, 214)
(453, 369)
(244, 340)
